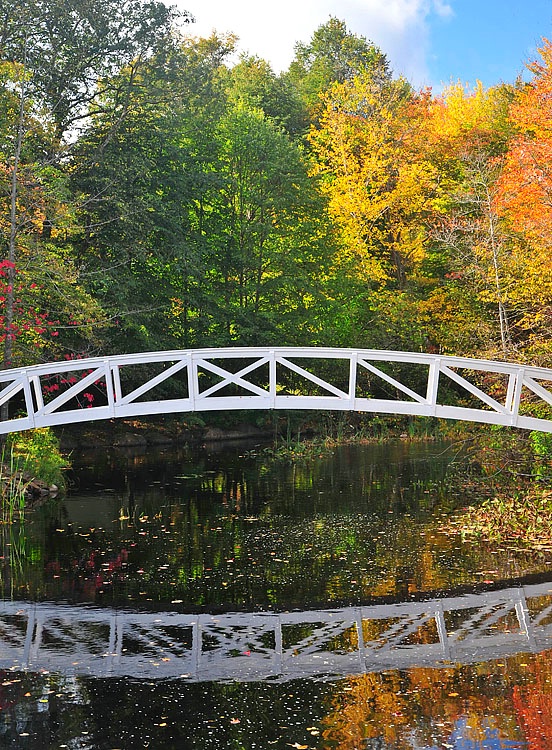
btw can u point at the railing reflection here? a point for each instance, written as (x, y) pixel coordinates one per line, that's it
(242, 646)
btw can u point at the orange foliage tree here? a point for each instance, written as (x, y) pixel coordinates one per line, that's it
(524, 200)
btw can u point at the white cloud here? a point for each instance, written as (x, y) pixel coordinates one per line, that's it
(443, 9)
(399, 27)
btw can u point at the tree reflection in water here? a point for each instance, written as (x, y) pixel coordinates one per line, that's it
(233, 532)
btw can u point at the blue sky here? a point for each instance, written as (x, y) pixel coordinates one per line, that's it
(487, 40)
(431, 42)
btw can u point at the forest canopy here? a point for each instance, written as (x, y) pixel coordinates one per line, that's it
(155, 194)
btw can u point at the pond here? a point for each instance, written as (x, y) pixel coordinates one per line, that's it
(218, 598)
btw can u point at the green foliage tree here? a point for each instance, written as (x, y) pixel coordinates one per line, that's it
(146, 181)
(334, 55)
(253, 83)
(274, 236)
(55, 56)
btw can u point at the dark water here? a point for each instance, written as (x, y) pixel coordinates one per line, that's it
(219, 599)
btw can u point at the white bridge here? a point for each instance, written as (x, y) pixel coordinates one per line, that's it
(282, 646)
(385, 382)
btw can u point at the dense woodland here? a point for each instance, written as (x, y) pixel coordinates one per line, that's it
(157, 194)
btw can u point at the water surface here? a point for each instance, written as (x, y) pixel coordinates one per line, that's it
(217, 598)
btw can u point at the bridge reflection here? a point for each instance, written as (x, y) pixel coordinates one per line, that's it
(281, 646)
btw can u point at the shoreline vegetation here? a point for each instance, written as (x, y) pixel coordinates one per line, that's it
(506, 475)
(31, 471)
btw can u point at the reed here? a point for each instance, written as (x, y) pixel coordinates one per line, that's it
(12, 489)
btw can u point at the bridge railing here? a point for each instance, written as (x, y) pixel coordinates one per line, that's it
(386, 382)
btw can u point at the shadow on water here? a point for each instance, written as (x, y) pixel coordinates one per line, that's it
(218, 598)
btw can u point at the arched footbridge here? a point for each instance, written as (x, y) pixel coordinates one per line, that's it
(384, 382)
(254, 646)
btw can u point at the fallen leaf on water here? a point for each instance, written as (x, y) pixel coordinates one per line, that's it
(298, 746)
(234, 721)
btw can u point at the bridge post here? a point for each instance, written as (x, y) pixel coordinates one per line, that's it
(35, 380)
(272, 378)
(117, 383)
(278, 645)
(513, 397)
(433, 383)
(522, 613)
(29, 405)
(193, 386)
(29, 637)
(360, 639)
(353, 365)
(109, 386)
(442, 631)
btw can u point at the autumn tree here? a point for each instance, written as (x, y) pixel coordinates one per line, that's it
(524, 200)
(39, 293)
(380, 190)
(466, 136)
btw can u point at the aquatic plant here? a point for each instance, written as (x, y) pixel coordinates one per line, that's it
(521, 521)
(12, 488)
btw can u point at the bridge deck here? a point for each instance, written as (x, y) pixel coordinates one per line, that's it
(385, 382)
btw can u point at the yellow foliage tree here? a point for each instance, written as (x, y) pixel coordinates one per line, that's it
(379, 190)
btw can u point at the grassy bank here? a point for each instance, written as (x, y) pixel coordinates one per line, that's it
(31, 468)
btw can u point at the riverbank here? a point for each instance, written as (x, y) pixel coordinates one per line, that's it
(290, 428)
(31, 471)
(152, 432)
